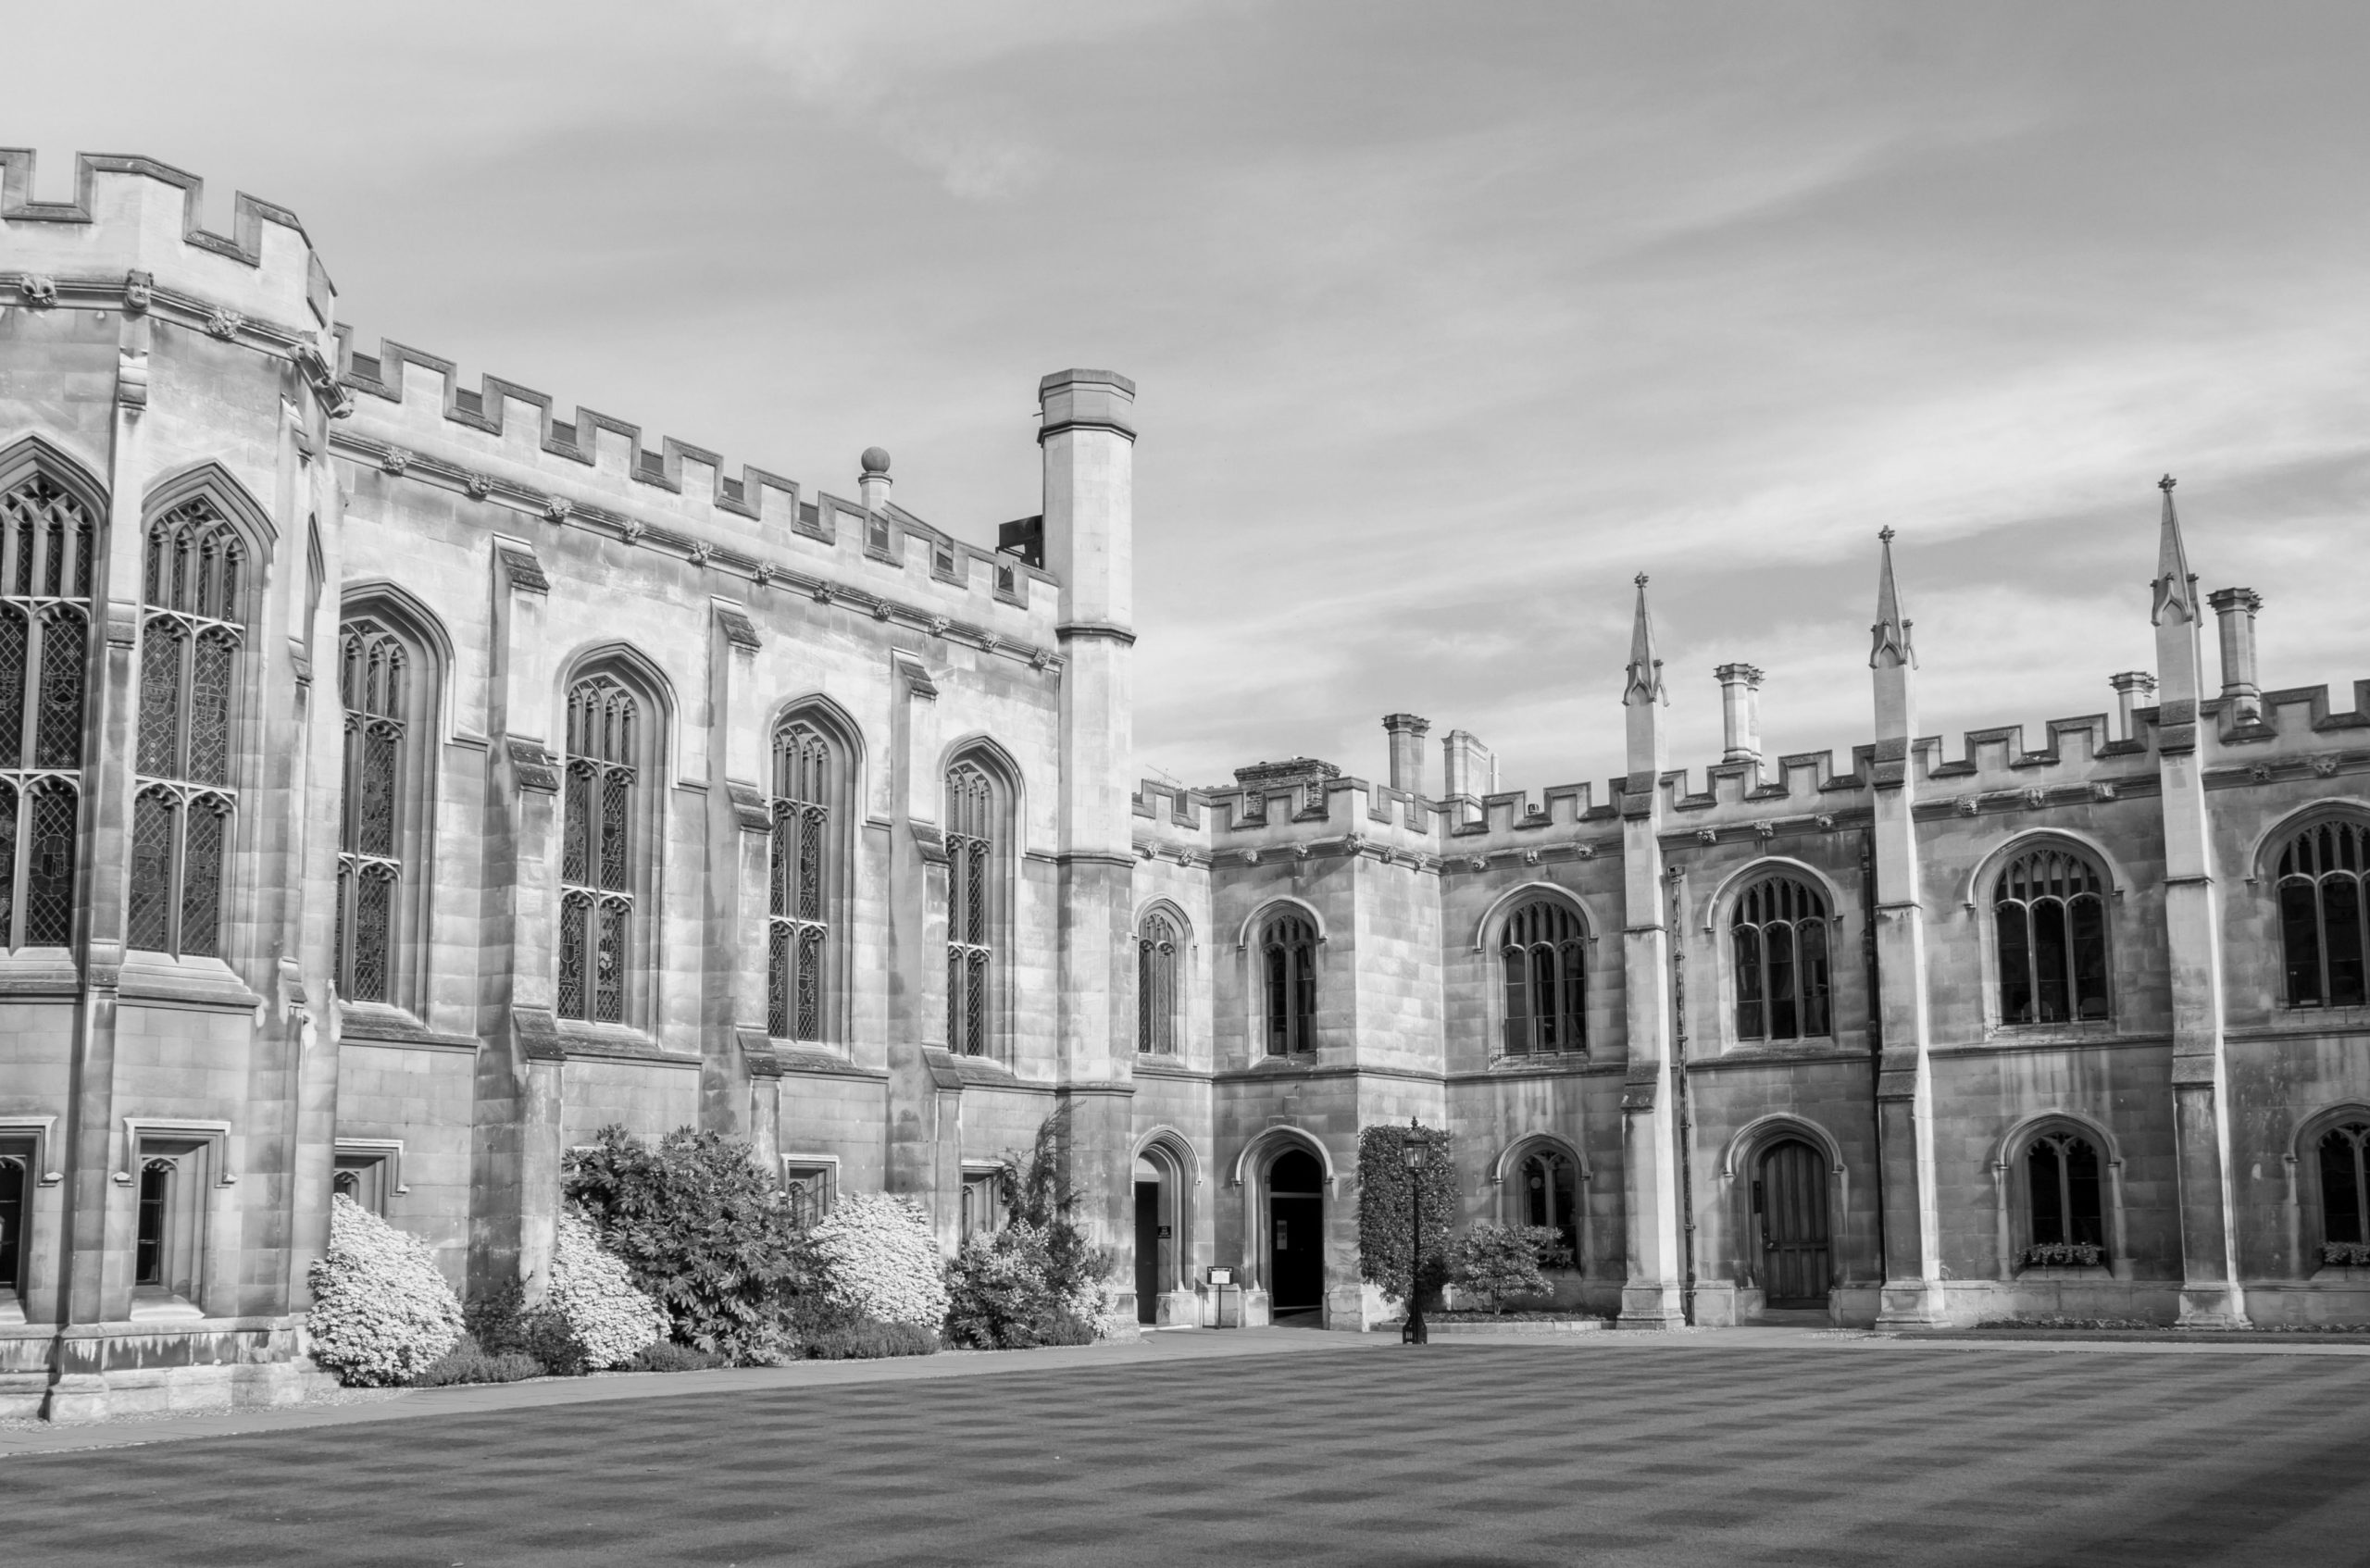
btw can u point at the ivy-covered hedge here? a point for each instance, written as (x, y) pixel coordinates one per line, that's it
(1386, 1195)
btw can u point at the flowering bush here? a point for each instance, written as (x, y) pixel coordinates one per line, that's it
(1003, 1296)
(1497, 1263)
(879, 1259)
(703, 1231)
(2346, 1254)
(2078, 1254)
(592, 1293)
(381, 1311)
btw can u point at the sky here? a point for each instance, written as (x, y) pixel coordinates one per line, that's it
(1446, 319)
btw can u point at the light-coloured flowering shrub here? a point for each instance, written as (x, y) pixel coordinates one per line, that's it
(880, 1261)
(592, 1293)
(380, 1311)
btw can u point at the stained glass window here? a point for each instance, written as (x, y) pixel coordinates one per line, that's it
(374, 683)
(2049, 912)
(970, 833)
(191, 636)
(46, 541)
(2322, 926)
(806, 780)
(596, 851)
(1287, 948)
(1156, 985)
(1543, 956)
(1778, 940)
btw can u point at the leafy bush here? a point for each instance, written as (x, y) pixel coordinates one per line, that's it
(503, 1325)
(2074, 1254)
(1039, 1280)
(2346, 1254)
(668, 1356)
(1386, 1193)
(382, 1312)
(1498, 1263)
(468, 1363)
(591, 1293)
(870, 1339)
(878, 1258)
(703, 1231)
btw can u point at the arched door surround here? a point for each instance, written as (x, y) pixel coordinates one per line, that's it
(1744, 1168)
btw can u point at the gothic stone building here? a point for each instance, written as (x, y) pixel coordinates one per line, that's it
(401, 780)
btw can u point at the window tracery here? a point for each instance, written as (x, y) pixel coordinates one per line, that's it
(798, 918)
(1157, 947)
(2067, 1214)
(1778, 938)
(373, 677)
(1288, 951)
(970, 828)
(46, 538)
(596, 867)
(1543, 956)
(2049, 914)
(2321, 924)
(193, 571)
(2345, 1193)
(1548, 1193)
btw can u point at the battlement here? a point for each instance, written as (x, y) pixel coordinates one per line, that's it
(136, 221)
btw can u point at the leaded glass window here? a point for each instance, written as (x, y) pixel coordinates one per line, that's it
(798, 919)
(46, 551)
(1288, 951)
(2321, 924)
(192, 572)
(1156, 985)
(1549, 1195)
(1778, 942)
(1543, 955)
(970, 838)
(2062, 1171)
(2345, 1185)
(596, 851)
(373, 680)
(2048, 911)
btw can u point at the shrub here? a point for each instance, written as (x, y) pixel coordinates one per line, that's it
(381, 1312)
(2078, 1254)
(592, 1294)
(503, 1325)
(1498, 1263)
(668, 1356)
(1386, 1192)
(870, 1339)
(1002, 1292)
(2346, 1254)
(701, 1229)
(468, 1362)
(878, 1258)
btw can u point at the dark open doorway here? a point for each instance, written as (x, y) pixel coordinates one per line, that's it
(1150, 1247)
(1296, 1237)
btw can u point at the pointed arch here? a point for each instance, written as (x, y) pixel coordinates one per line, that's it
(640, 673)
(393, 669)
(1976, 891)
(37, 454)
(1262, 1148)
(410, 614)
(979, 835)
(985, 752)
(1180, 1149)
(826, 713)
(816, 788)
(2261, 860)
(616, 736)
(1493, 919)
(1249, 931)
(1722, 904)
(216, 483)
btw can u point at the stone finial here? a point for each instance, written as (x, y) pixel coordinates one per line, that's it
(2175, 587)
(872, 483)
(1892, 648)
(1643, 680)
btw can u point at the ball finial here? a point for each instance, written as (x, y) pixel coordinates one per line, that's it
(875, 460)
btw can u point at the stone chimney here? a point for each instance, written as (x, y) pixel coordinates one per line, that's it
(2133, 689)
(2234, 608)
(1407, 734)
(1468, 771)
(872, 485)
(1739, 713)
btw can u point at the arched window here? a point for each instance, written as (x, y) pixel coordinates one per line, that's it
(2320, 913)
(1156, 985)
(2049, 909)
(1548, 1195)
(804, 878)
(1287, 948)
(1543, 955)
(970, 905)
(597, 850)
(373, 676)
(2345, 1193)
(2068, 1221)
(1779, 939)
(46, 543)
(193, 575)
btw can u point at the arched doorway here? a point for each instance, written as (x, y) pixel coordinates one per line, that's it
(1790, 1201)
(1296, 1237)
(1156, 1237)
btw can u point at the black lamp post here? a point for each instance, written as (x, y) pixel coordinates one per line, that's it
(1416, 1151)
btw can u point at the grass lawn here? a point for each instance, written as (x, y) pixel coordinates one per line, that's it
(1452, 1454)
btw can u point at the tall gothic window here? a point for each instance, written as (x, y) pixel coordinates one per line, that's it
(190, 637)
(2062, 1172)
(798, 922)
(1288, 950)
(1780, 940)
(1550, 1197)
(2321, 925)
(2345, 1187)
(2048, 908)
(1156, 985)
(596, 895)
(970, 838)
(371, 680)
(45, 544)
(1542, 954)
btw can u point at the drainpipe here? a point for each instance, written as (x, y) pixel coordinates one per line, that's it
(1685, 1117)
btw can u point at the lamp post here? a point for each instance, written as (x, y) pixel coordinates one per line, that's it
(1416, 1153)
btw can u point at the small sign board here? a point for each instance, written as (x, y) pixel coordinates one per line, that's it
(1220, 1275)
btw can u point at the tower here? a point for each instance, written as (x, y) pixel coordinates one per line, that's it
(1649, 1158)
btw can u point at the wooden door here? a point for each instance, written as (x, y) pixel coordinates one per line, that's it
(1148, 1251)
(1791, 1198)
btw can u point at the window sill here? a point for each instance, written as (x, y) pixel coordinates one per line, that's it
(2046, 1034)
(12, 1309)
(40, 971)
(150, 1302)
(618, 1042)
(200, 982)
(376, 1023)
(2341, 1274)
(2044, 1272)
